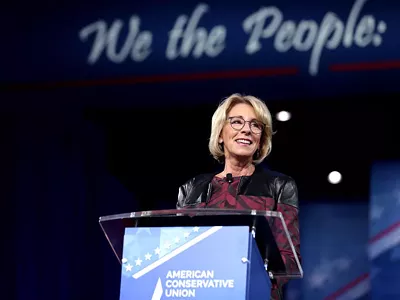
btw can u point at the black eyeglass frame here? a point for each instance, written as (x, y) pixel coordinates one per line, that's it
(229, 119)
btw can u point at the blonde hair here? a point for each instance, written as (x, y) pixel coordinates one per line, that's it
(220, 116)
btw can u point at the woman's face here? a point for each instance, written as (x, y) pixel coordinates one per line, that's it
(240, 142)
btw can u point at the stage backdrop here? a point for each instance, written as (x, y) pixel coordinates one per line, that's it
(384, 242)
(333, 245)
(55, 171)
(317, 48)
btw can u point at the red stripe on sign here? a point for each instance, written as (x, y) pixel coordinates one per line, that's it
(347, 287)
(365, 66)
(384, 232)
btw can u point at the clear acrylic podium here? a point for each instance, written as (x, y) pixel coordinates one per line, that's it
(199, 253)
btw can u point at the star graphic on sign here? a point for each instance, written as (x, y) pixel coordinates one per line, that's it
(138, 261)
(177, 240)
(167, 245)
(317, 280)
(124, 260)
(147, 256)
(128, 267)
(157, 251)
(321, 274)
(196, 229)
(186, 235)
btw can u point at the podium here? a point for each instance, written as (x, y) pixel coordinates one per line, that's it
(199, 253)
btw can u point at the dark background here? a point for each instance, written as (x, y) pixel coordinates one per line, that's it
(65, 164)
(346, 134)
(78, 142)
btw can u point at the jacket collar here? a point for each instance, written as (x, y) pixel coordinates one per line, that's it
(203, 186)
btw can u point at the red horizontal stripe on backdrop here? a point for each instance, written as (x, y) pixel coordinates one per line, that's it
(384, 232)
(245, 73)
(347, 287)
(365, 66)
(231, 74)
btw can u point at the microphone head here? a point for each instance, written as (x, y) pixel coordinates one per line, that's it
(229, 177)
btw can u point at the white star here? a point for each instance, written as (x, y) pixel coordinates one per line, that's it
(321, 274)
(167, 245)
(138, 261)
(124, 260)
(186, 235)
(196, 229)
(128, 267)
(376, 212)
(148, 256)
(317, 279)
(157, 251)
(177, 240)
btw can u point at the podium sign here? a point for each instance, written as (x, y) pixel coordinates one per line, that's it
(188, 262)
(198, 253)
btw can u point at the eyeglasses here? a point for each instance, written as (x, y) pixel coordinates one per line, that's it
(237, 123)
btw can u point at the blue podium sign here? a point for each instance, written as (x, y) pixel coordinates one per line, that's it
(190, 262)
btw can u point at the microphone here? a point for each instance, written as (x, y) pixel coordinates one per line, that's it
(229, 177)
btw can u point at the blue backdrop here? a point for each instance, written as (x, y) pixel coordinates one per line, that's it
(333, 246)
(56, 181)
(384, 230)
(317, 48)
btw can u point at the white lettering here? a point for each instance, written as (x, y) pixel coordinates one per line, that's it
(187, 38)
(305, 35)
(137, 44)
(351, 21)
(254, 24)
(196, 283)
(180, 293)
(329, 36)
(182, 274)
(180, 280)
(365, 31)
(195, 40)
(284, 38)
(308, 35)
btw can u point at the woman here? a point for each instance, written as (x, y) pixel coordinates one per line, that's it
(241, 139)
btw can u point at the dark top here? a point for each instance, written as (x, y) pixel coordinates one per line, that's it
(263, 190)
(226, 194)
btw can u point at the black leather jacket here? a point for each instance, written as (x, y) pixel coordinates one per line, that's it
(197, 191)
(266, 183)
